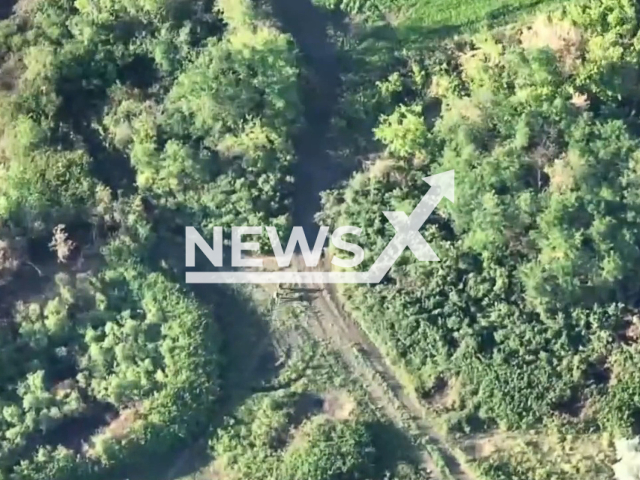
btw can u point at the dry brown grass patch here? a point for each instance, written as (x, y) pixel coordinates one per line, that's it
(120, 424)
(62, 388)
(10, 72)
(381, 167)
(451, 396)
(220, 471)
(338, 405)
(11, 257)
(563, 38)
(580, 100)
(561, 174)
(579, 456)
(25, 8)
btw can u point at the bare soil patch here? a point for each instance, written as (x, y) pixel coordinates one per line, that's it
(338, 405)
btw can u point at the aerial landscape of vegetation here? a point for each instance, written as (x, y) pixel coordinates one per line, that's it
(516, 356)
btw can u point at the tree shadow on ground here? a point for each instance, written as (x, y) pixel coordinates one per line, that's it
(393, 448)
(316, 169)
(249, 356)
(6, 8)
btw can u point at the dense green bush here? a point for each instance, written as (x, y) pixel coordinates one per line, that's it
(265, 440)
(195, 109)
(134, 339)
(328, 450)
(224, 131)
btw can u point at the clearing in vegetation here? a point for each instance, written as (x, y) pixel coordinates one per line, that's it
(435, 18)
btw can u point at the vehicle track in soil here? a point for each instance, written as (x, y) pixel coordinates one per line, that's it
(329, 322)
(316, 171)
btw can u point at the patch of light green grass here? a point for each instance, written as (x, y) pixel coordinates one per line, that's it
(458, 13)
(440, 17)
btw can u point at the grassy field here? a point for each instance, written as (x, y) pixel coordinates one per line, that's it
(456, 13)
(439, 16)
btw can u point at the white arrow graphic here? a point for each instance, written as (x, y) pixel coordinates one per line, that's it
(407, 235)
(407, 228)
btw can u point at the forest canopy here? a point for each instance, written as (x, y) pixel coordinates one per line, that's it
(193, 109)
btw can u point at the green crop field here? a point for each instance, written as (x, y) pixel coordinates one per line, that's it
(438, 14)
(452, 13)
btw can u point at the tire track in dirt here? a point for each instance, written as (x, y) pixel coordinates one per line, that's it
(329, 322)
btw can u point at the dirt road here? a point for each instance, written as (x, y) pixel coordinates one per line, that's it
(329, 322)
(316, 171)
